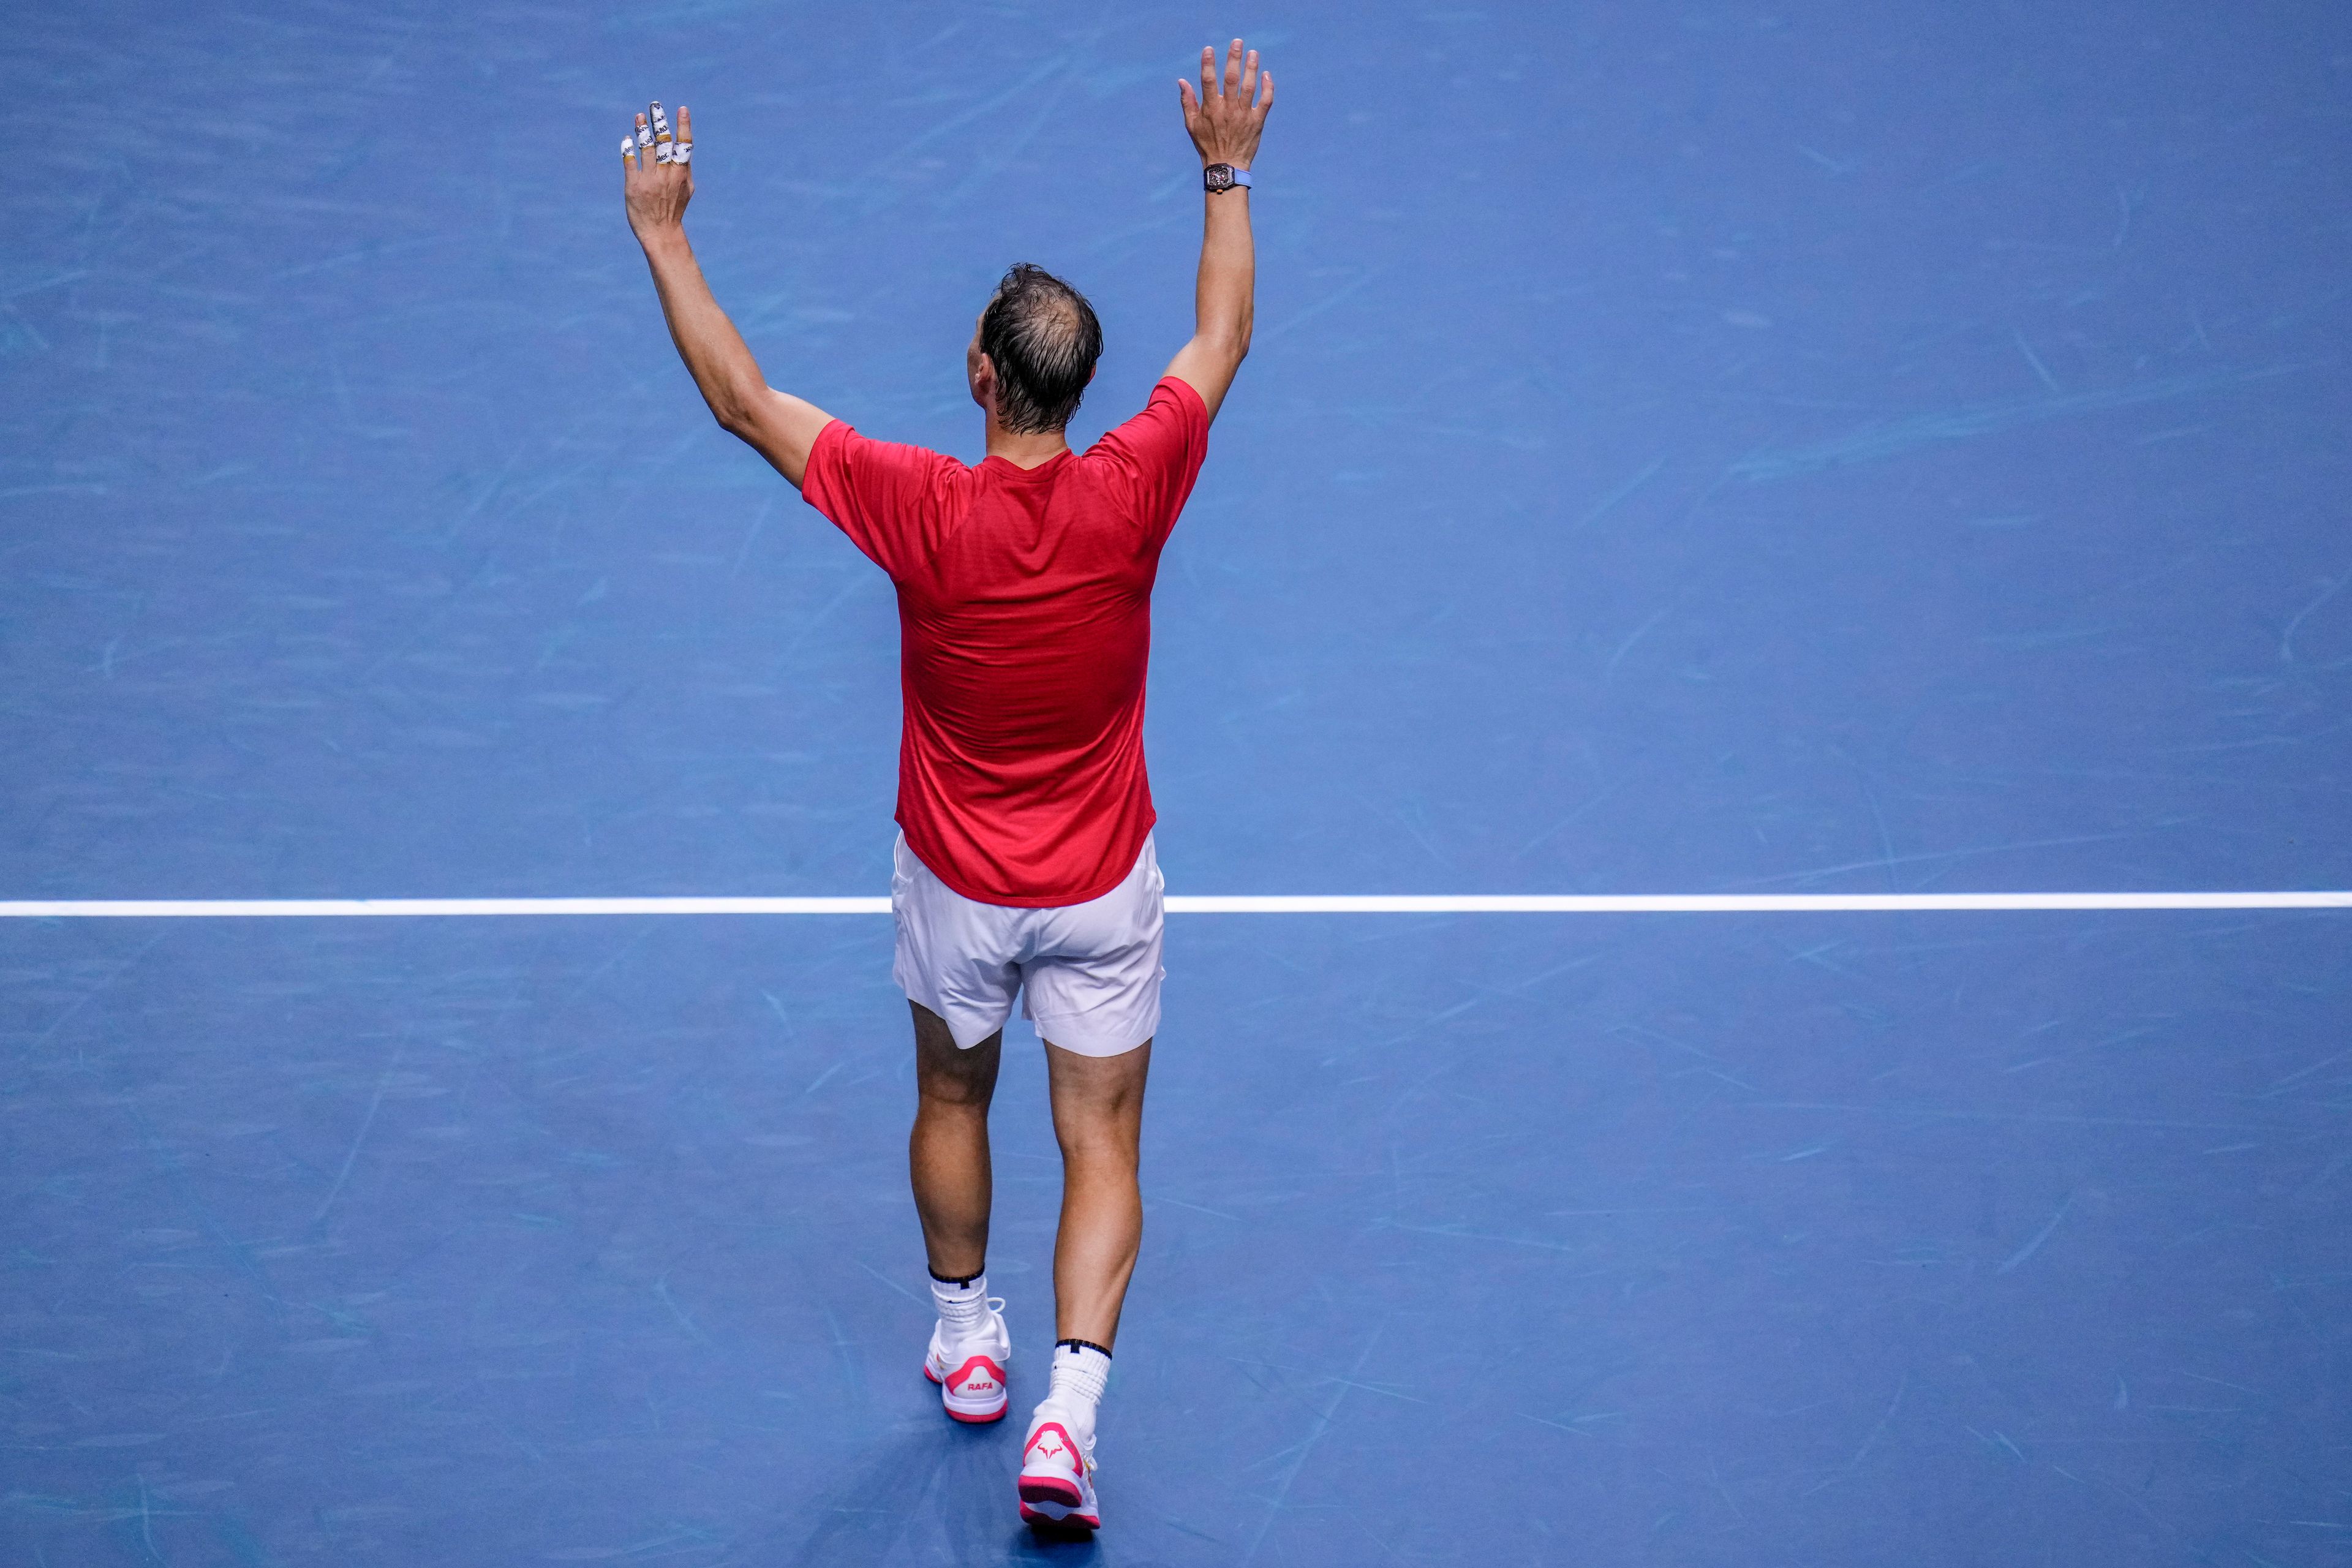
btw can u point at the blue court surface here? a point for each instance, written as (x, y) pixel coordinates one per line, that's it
(1688, 448)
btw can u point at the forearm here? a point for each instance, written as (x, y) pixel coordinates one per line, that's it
(714, 351)
(1223, 298)
(780, 427)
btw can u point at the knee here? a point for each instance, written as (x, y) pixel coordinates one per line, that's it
(955, 1093)
(952, 1078)
(1107, 1140)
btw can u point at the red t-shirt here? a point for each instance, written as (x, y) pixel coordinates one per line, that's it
(1025, 618)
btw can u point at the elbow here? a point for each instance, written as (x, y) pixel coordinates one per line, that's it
(734, 415)
(736, 403)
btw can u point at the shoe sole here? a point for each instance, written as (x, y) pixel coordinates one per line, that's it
(1050, 1504)
(1074, 1523)
(1061, 1494)
(981, 1416)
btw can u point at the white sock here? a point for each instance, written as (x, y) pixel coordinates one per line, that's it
(1080, 1371)
(962, 1307)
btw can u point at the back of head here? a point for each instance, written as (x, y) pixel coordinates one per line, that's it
(1042, 339)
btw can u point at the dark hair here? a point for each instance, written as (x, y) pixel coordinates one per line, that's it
(1042, 336)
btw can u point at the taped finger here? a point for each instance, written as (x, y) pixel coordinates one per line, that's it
(628, 152)
(682, 152)
(660, 122)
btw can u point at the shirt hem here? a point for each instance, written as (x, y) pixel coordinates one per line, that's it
(1056, 900)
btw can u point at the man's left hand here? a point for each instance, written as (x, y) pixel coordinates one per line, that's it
(656, 189)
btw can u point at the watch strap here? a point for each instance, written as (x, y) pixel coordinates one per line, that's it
(1225, 177)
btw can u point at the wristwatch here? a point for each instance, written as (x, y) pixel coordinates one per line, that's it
(1224, 177)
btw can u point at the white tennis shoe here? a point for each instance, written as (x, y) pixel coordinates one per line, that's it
(1057, 1475)
(969, 1366)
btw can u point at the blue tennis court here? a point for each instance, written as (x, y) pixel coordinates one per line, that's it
(1832, 450)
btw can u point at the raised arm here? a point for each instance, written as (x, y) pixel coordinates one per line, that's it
(1225, 121)
(778, 426)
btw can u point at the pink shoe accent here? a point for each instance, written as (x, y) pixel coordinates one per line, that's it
(978, 1381)
(1062, 1435)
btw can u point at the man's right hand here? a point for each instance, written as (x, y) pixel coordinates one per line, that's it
(1225, 125)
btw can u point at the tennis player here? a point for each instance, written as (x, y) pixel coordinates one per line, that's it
(1024, 862)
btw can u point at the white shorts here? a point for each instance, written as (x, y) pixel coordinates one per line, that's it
(1088, 973)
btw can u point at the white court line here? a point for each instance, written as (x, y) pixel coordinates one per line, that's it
(1184, 904)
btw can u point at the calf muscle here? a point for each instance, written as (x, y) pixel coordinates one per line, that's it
(1099, 1122)
(947, 1153)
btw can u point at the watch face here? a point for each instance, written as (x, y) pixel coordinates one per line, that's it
(1219, 177)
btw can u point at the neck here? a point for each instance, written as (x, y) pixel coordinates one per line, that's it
(1025, 451)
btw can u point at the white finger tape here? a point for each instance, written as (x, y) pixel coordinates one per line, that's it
(682, 152)
(629, 148)
(661, 152)
(659, 120)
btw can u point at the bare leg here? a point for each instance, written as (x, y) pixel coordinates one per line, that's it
(1098, 1120)
(947, 1155)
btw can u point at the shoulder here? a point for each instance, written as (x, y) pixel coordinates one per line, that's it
(842, 456)
(842, 441)
(1174, 416)
(1177, 401)
(1183, 398)
(892, 497)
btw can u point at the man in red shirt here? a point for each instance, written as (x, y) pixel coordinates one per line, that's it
(1026, 864)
